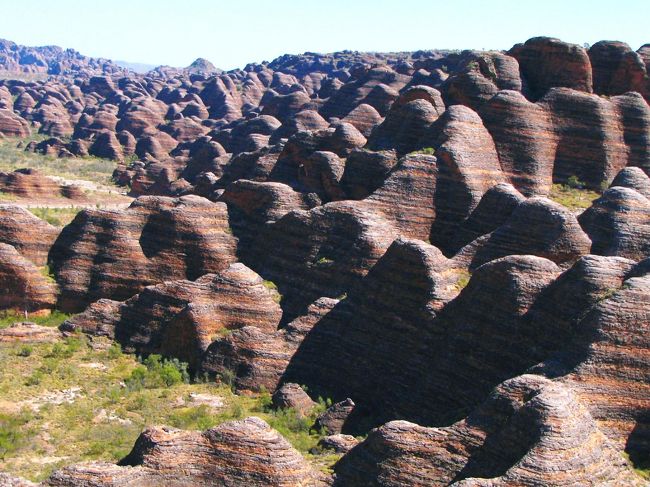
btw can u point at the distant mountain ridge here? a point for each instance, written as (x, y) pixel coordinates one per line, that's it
(53, 60)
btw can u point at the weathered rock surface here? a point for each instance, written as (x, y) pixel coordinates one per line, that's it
(294, 397)
(28, 183)
(338, 443)
(28, 234)
(530, 431)
(13, 125)
(607, 364)
(27, 332)
(23, 287)
(524, 138)
(323, 251)
(618, 223)
(259, 360)
(547, 63)
(537, 226)
(115, 254)
(468, 165)
(246, 452)
(617, 69)
(182, 318)
(332, 420)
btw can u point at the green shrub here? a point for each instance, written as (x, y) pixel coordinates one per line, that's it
(66, 349)
(114, 352)
(25, 351)
(12, 434)
(463, 280)
(270, 285)
(34, 379)
(56, 216)
(574, 182)
(156, 372)
(572, 198)
(193, 418)
(227, 377)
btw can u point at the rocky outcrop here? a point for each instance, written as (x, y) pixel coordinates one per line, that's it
(548, 63)
(530, 431)
(407, 121)
(259, 360)
(23, 287)
(115, 254)
(538, 226)
(293, 396)
(591, 144)
(28, 183)
(524, 138)
(468, 165)
(28, 234)
(182, 318)
(617, 69)
(481, 76)
(13, 125)
(246, 452)
(338, 443)
(493, 211)
(252, 204)
(324, 251)
(607, 365)
(396, 303)
(27, 332)
(365, 171)
(633, 178)
(618, 223)
(332, 420)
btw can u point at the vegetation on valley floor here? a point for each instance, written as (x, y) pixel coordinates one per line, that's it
(87, 168)
(573, 194)
(58, 217)
(75, 400)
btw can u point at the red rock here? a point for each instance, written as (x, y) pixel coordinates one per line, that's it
(525, 140)
(618, 223)
(364, 118)
(332, 420)
(245, 452)
(482, 76)
(404, 126)
(548, 63)
(557, 441)
(539, 227)
(107, 146)
(591, 145)
(617, 69)
(23, 287)
(27, 332)
(468, 165)
(115, 254)
(294, 397)
(184, 129)
(338, 443)
(257, 359)
(28, 234)
(12, 125)
(28, 183)
(365, 171)
(181, 318)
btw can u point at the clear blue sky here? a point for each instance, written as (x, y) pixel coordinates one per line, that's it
(234, 32)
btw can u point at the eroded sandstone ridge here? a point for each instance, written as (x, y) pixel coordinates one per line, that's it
(246, 452)
(383, 230)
